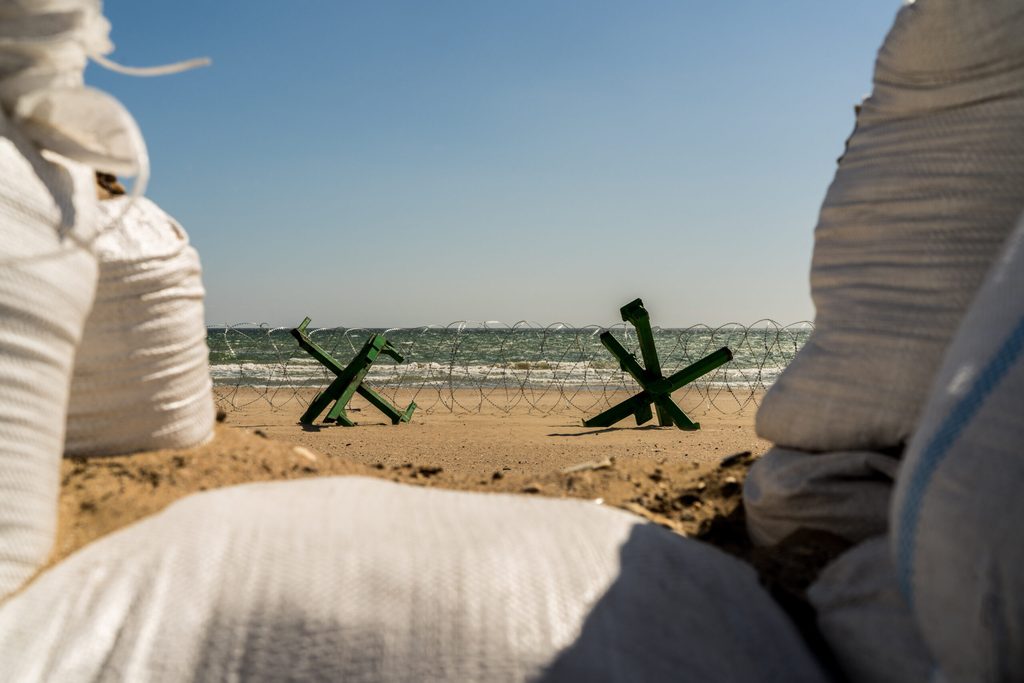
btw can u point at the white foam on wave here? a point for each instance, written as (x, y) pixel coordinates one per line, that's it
(308, 373)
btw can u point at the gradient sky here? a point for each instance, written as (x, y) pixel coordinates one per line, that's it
(407, 163)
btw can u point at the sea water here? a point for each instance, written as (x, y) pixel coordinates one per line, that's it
(462, 355)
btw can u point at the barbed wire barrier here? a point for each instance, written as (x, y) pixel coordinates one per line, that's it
(468, 367)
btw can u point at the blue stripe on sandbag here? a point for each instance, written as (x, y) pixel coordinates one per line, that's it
(938, 447)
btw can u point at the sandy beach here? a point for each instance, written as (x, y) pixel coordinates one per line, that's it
(524, 449)
(690, 482)
(479, 437)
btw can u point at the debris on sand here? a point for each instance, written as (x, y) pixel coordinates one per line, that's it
(590, 466)
(305, 453)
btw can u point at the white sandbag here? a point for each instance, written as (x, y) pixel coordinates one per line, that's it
(47, 279)
(845, 493)
(351, 579)
(930, 186)
(958, 509)
(44, 47)
(866, 622)
(141, 379)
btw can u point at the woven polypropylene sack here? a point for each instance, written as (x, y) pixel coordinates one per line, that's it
(352, 579)
(142, 379)
(927, 191)
(958, 509)
(44, 48)
(844, 493)
(863, 617)
(47, 280)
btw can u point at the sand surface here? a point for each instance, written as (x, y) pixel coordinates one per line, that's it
(524, 439)
(645, 468)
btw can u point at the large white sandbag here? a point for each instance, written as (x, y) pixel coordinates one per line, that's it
(141, 379)
(47, 279)
(845, 493)
(930, 186)
(866, 622)
(958, 509)
(352, 579)
(44, 47)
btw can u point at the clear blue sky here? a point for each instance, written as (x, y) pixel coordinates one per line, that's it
(405, 163)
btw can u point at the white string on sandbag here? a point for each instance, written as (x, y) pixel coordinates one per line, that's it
(147, 71)
(353, 579)
(141, 377)
(42, 87)
(930, 186)
(45, 48)
(957, 511)
(43, 90)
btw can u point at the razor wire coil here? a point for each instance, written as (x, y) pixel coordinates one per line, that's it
(473, 367)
